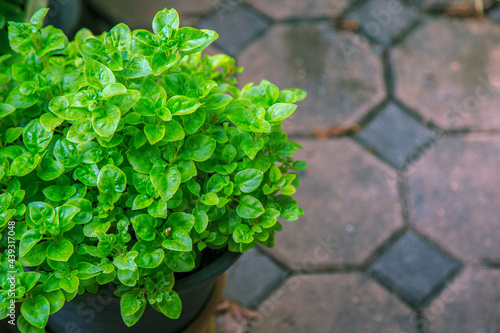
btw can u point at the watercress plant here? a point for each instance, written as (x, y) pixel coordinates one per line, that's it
(125, 156)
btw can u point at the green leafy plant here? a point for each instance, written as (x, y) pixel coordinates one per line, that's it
(126, 156)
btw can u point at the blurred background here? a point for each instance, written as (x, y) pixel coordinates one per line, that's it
(401, 130)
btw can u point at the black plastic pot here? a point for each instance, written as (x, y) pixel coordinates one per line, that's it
(100, 313)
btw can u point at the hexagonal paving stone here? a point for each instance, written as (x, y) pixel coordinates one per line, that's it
(284, 9)
(384, 20)
(341, 72)
(236, 28)
(395, 135)
(248, 288)
(414, 268)
(337, 303)
(443, 4)
(470, 304)
(139, 14)
(449, 72)
(351, 206)
(454, 198)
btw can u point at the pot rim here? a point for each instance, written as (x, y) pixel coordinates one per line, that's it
(212, 270)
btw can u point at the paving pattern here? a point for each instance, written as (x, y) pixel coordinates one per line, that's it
(402, 228)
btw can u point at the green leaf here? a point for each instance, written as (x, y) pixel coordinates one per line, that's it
(6, 109)
(173, 131)
(249, 207)
(41, 213)
(49, 169)
(148, 257)
(243, 234)
(166, 182)
(58, 193)
(61, 251)
(70, 285)
(38, 16)
(280, 111)
(98, 75)
(145, 107)
(192, 40)
(217, 101)
(252, 148)
(50, 121)
(200, 146)
(24, 164)
(187, 168)
(165, 23)
(25, 327)
(111, 180)
(179, 241)
(164, 114)
(141, 159)
(154, 133)
(158, 209)
(120, 37)
(126, 262)
(36, 311)
(28, 241)
(171, 306)
(81, 131)
(105, 120)
(36, 256)
(142, 201)
(209, 199)
(66, 153)
(144, 227)
(248, 180)
(13, 133)
(133, 319)
(35, 137)
(130, 303)
(179, 261)
(181, 221)
(201, 220)
(182, 105)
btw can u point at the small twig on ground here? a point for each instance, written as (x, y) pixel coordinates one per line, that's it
(349, 25)
(331, 131)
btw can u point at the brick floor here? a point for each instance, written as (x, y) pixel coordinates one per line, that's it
(448, 71)
(453, 199)
(339, 303)
(406, 250)
(287, 9)
(341, 72)
(351, 207)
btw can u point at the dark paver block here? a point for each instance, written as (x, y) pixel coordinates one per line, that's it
(384, 20)
(448, 71)
(337, 303)
(351, 206)
(454, 197)
(252, 278)
(285, 9)
(236, 28)
(395, 135)
(341, 72)
(470, 304)
(414, 268)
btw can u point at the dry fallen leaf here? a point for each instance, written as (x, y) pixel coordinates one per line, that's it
(233, 318)
(462, 10)
(350, 25)
(330, 131)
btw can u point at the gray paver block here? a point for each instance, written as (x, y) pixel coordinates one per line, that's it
(448, 71)
(285, 9)
(470, 304)
(454, 198)
(332, 303)
(236, 28)
(414, 268)
(395, 135)
(384, 20)
(252, 278)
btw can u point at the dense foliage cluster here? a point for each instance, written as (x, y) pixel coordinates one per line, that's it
(124, 156)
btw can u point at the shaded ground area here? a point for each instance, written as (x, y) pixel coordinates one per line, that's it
(401, 232)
